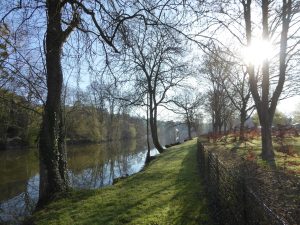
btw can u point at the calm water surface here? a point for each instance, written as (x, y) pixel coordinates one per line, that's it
(90, 166)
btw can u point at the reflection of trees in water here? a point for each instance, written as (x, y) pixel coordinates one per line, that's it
(16, 208)
(117, 159)
(120, 167)
(18, 184)
(89, 167)
(16, 168)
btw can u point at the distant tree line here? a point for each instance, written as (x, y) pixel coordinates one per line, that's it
(20, 123)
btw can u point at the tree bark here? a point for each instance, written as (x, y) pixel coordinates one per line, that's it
(148, 142)
(153, 122)
(189, 130)
(153, 118)
(52, 153)
(219, 128)
(153, 127)
(242, 124)
(189, 125)
(264, 106)
(264, 114)
(266, 137)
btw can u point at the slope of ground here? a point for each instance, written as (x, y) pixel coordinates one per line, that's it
(168, 191)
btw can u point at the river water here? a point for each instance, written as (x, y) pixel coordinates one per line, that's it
(90, 166)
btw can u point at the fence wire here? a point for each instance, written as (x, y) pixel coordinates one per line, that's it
(237, 195)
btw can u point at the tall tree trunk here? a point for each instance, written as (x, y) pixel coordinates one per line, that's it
(242, 124)
(153, 127)
(214, 125)
(266, 137)
(264, 114)
(264, 106)
(148, 142)
(110, 135)
(220, 128)
(189, 127)
(52, 154)
(51, 143)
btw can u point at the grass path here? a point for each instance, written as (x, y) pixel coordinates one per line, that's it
(167, 192)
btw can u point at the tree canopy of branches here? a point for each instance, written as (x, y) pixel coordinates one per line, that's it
(105, 23)
(216, 70)
(187, 104)
(273, 23)
(153, 63)
(266, 102)
(233, 79)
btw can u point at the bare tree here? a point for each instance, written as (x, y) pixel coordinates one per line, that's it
(240, 96)
(187, 105)
(242, 24)
(267, 100)
(236, 85)
(154, 61)
(215, 70)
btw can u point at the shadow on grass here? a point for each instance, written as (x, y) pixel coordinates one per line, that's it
(194, 206)
(169, 191)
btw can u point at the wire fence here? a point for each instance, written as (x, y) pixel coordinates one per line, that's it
(237, 195)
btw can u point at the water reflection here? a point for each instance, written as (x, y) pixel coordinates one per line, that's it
(91, 166)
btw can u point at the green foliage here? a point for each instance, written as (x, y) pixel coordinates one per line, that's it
(128, 130)
(20, 119)
(255, 119)
(296, 115)
(279, 119)
(132, 131)
(16, 121)
(33, 127)
(89, 124)
(168, 191)
(82, 124)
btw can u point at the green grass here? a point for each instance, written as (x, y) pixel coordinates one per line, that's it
(168, 191)
(251, 150)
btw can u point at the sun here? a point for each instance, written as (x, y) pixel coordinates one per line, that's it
(257, 52)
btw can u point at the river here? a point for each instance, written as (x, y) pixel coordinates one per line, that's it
(90, 166)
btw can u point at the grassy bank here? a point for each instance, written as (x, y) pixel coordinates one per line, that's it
(287, 152)
(168, 191)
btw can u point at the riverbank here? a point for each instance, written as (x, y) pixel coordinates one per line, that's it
(168, 191)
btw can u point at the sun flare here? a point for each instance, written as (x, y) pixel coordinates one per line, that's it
(257, 52)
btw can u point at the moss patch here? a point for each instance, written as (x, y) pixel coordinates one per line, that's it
(168, 191)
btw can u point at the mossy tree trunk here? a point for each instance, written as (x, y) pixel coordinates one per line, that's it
(53, 160)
